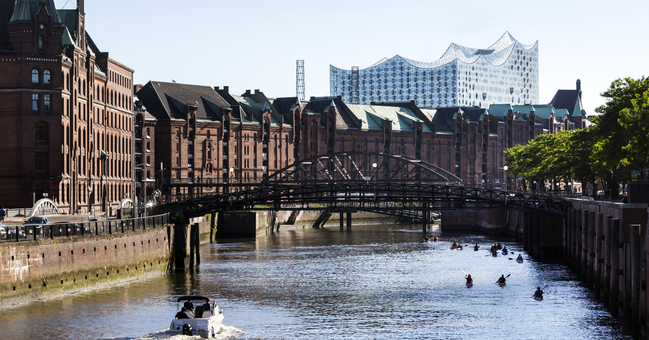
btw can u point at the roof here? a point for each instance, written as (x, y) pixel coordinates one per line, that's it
(25, 10)
(500, 110)
(569, 100)
(496, 54)
(168, 101)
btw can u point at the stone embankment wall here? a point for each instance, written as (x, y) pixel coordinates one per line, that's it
(46, 268)
(605, 244)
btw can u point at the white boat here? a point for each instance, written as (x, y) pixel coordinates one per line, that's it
(206, 322)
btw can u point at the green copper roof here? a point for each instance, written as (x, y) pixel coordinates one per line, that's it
(577, 111)
(25, 10)
(499, 110)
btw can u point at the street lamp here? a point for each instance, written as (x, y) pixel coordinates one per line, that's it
(230, 179)
(506, 183)
(374, 165)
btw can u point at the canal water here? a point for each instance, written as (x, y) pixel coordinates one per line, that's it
(376, 282)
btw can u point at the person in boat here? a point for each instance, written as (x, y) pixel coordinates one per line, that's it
(502, 279)
(538, 293)
(498, 246)
(435, 239)
(504, 249)
(184, 314)
(519, 258)
(454, 245)
(189, 306)
(476, 247)
(426, 239)
(469, 280)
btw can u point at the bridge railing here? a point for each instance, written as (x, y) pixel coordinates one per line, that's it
(18, 233)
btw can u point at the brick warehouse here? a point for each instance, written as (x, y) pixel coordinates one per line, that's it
(66, 109)
(208, 135)
(79, 137)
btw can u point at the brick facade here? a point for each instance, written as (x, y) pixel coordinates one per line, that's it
(66, 104)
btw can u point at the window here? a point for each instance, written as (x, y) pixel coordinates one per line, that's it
(34, 76)
(46, 77)
(40, 42)
(41, 161)
(35, 102)
(41, 132)
(47, 103)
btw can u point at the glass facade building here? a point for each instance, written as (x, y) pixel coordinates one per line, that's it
(505, 72)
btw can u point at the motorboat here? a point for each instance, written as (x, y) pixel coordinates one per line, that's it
(205, 321)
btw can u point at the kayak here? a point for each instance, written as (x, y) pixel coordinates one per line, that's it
(504, 252)
(469, 284)
(538, 297)
(519, 260)
(502, 284)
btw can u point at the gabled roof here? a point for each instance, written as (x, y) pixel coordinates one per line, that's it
(285, 107)
(168, 101)
(443, 118)
(569, 100)
(25, 10)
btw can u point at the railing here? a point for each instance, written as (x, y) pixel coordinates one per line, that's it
(106, 227)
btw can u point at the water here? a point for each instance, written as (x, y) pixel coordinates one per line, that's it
(377, 282)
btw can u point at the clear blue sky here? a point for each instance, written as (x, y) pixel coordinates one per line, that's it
(254, 44)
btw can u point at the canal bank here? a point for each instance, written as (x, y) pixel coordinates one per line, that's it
(106, 254)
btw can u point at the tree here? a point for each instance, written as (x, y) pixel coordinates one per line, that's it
(613, 152)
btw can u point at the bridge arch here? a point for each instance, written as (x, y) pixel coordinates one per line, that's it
(44, 206)
(360, 166)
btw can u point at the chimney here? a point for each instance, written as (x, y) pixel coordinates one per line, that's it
(579, 88)
(247, 94)
(216, 88)
(226, 89)
(256, 91)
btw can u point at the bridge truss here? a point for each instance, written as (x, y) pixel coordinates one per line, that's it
(352, 181)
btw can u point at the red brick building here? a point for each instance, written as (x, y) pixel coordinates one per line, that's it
(209, 136)
(66, 111)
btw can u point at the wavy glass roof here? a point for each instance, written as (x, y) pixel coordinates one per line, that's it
(496, 54)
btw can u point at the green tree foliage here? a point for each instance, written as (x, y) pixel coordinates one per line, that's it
(635, 123)
(616, 146)
(615, 126)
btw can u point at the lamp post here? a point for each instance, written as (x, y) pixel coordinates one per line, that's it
(506, 183)
(230, 180)
(374, 165)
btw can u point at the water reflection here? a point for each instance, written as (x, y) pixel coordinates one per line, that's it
(377, 282)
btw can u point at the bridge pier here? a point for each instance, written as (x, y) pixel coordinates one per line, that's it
(615, 266)
(349, 221)
(342, 222)
(186, 244)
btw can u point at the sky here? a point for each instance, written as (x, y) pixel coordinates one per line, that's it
(254, 44)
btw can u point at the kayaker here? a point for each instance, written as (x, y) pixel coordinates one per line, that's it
(538, 293)
(519, 258)
(502, 279)
(476, 247)
(454, 245)
(469, 280)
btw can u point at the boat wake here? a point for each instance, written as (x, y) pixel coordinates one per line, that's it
(225, 332)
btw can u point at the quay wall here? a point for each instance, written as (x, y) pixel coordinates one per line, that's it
(605, 244)
(48, 268)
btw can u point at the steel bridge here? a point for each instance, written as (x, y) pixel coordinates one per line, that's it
(378, 182)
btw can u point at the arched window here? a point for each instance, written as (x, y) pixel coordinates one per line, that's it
(42, 132)
(40, 42)
(35, 76)
(46, 77)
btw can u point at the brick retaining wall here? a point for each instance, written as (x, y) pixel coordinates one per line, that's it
(36, 270)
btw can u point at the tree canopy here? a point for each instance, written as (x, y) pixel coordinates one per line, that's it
(614, 149)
